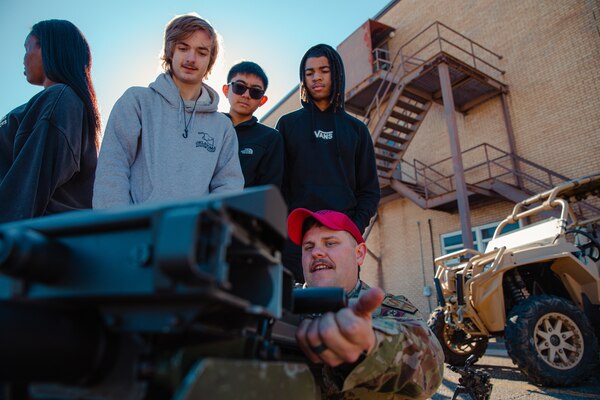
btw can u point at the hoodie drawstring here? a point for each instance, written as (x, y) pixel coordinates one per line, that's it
(189, 121)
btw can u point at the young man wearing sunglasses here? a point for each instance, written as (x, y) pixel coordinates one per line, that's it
(168, 141)
(260, 147)
(329, 155)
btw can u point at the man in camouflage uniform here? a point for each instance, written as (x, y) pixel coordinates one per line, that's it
(377, 348)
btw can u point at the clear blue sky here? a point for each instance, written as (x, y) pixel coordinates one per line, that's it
(126, 39)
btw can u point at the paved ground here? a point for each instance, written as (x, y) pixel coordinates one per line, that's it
(509, 383)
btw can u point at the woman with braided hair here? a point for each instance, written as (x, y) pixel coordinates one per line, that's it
(329, 156)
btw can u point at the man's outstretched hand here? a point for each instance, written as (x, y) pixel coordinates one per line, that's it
(342, 337)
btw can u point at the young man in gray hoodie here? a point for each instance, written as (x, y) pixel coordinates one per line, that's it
(168, 141)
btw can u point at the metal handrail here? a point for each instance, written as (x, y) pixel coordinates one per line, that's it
(435, 182)
(423, 175)
(399, 64)
(385, 82)
(429, 183)
(505, 153)
(439, 39)
(498, 56)
(420, 175)
(474, 57)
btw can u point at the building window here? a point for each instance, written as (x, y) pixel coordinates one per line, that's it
(452, 241)
(381, 58)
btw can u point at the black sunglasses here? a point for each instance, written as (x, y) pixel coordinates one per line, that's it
(239, 89)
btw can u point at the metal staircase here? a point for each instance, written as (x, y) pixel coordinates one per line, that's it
(393, 127)
(490, 174)
(396, 128)
(394, 101)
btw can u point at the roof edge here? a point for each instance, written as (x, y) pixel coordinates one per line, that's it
(280, 102)
(385, 9)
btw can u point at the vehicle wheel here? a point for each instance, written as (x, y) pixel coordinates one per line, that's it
(458, 345)
(551, 341)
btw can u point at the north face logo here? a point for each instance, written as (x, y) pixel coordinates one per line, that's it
(247, 150)
(324, 135)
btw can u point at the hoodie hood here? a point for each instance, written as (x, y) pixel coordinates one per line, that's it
(310, 105)
(338, 76)
(166, 88)
(246, 124)
(156, 149)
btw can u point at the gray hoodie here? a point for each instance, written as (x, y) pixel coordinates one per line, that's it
(145, 155)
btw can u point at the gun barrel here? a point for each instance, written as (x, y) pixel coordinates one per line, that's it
(319, 300)
(49, 344)
(25, 253)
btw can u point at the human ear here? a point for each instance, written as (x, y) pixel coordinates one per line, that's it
(263, 100)
(361, 252)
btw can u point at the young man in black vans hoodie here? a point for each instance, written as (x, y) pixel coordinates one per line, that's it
(329, 156)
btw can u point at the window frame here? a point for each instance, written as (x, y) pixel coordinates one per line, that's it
(479, 242)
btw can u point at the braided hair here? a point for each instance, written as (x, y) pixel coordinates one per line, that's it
(338, 76)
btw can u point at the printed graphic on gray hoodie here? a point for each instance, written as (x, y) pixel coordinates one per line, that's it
(147, 156)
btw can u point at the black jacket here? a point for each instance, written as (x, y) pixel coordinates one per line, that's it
(261, 153)
(47, 156)
(329, 163)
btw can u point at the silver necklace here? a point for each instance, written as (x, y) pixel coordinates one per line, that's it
(187, 124)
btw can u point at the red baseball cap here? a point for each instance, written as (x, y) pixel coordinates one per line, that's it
(331, 219)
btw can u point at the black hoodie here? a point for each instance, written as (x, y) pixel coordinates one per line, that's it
(261, 153)
(47, 156)
(329, 163)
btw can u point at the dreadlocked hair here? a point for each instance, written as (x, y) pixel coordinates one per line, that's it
(338, 76)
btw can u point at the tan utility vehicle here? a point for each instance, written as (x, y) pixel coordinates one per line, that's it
(537, 286)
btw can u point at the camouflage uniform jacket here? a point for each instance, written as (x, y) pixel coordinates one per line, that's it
(406, 363)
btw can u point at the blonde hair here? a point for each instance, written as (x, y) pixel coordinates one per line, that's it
(182, 27)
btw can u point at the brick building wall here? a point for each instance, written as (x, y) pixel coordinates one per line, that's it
(551, 55)
(405, 255)
(288, 104)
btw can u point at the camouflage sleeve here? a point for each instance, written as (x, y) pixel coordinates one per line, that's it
(407, 361)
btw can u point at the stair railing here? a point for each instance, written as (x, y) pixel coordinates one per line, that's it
(403, 64)
(384, 88)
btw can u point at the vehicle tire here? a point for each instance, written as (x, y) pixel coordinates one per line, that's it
(551, 341)
(457, 345)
